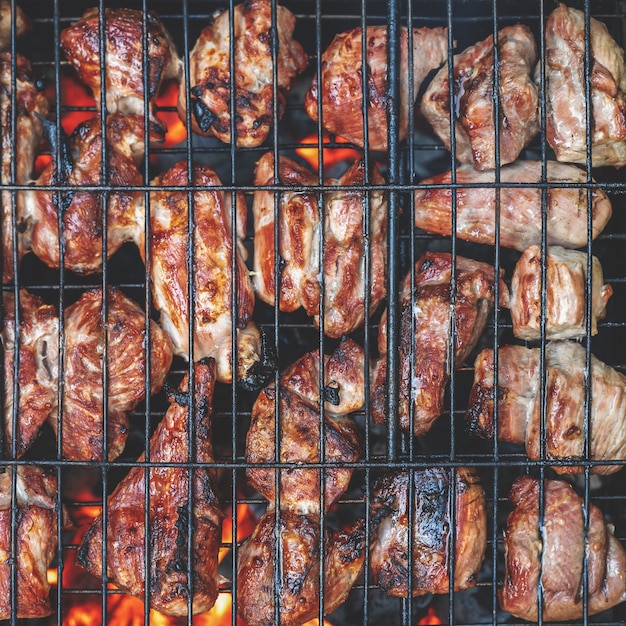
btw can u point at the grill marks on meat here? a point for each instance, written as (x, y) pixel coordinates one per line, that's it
(519, 404)
(22, 24)
(299, 419)
(301, 543)
(342, 92)
(430, 534)
(169, 510)
(82, 418)
(209, 68)
(345, 247)
(565, 90)
(423, 383)
(212, 265)
(554, 559)
(565, 305)
(475, 103)
(520, 207)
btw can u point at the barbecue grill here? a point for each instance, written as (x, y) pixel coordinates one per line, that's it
(83, 486)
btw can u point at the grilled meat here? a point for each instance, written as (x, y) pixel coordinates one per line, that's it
(565, 305)
(430, 534)
(124, 71)
(83, 395)
(423, 383)
(520, 207)
(299, 418)
(22, 23)
(19, 153)
(565, 90)
(345, 247)
(343, 91)
(169, 511)
(38, 368)
(299, 587)
(474, 112)
(83, 211)
(552, 555)
(209, 68)
(212, 261)
(520, 397)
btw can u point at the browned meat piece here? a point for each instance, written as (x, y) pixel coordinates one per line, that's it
(38, 367)
(565, 90)
(430, 535)
(565, 306)
(82, 419)
(342, 92)
(209, 68)
(552, 555)
(345, 247)
(20, 153)
(212, 245)
(82, 211)
(22, 23)
(474, 112)
(125, 41)
(520, 397)
(36, 532)
(169, 511)
(300, 429)
(299, 587)
(520, 207)
(430, 314)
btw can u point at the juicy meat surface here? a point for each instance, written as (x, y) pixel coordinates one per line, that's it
(299, 586)
(212, 269)
(345, 246)
(22, 24)
(566, 112)
(519, 404)
(124, 53)
(299, 418)
(38, 368)
(474, 99)
(83, 394)
(553, 558)
(83, 211)
(430, 536)
(520, 207)
(209, 68)
(565, 309)
(423, 383)
(342, 92)
(19, 151)
(169, 511)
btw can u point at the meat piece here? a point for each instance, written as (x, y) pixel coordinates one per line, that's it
(299, 586)
(169, 511)
(299, 415)
(565, 305)
(209, 68)
(212, 269)
(430, 536)
(22, 23)
(566, 110)
(345, 245)
(36, 540)
(343, 91)
(83, 211)
(38, 335)
(474, 99)
(520, 206)
(125, 42)
(519, 405)
(429, 313)
(552, 555)
(83, 395)
(17, 152)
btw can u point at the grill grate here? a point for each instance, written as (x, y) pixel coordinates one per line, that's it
(291, 335)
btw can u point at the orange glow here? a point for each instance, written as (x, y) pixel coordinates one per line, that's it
(246, 522)
(167, 99)
(315, 622)
(310, 153)
(430, 618)
(52, 576)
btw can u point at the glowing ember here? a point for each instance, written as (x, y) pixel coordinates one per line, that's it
(330, 155)
(246, 522)
(429, 618)
(316, 622)
(166, 112)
